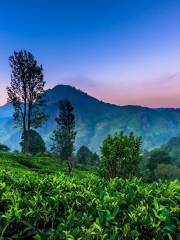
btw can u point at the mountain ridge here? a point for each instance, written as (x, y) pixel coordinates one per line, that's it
(95, 119)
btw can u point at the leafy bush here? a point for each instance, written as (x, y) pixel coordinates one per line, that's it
(120, 155)
(60, 207)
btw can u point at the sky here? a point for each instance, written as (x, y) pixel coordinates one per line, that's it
(122, 52)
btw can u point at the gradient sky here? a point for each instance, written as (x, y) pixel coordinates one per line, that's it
(123, 52)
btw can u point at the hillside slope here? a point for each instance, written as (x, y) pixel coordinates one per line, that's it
(95, 119)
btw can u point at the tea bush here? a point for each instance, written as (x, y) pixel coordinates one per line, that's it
(37, 207)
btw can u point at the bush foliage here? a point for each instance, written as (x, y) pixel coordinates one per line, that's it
(120, 155)
(60, 207)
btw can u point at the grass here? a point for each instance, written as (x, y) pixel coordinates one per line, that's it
(18, 162)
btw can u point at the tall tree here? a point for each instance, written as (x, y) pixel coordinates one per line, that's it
(25, 92)
(64, 135)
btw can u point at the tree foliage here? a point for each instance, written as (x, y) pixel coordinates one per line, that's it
(85, 156)
(167, 172)
(25, 92)
(4, 148)
(158, 156)
(120, 155)
(64, 135)
(173, 147)
(36, 143)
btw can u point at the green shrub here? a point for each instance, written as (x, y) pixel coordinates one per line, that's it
(120, 155)
(60, 207)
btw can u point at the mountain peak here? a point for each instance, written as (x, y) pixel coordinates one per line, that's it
(71, 93)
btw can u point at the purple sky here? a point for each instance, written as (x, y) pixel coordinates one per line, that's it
(123, 52)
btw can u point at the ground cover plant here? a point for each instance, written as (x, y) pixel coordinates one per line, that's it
(37, 205)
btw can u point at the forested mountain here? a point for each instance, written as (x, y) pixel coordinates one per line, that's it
(95, 119)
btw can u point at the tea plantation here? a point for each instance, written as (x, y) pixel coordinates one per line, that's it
(38, 201)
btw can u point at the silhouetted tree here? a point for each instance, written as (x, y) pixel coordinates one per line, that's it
(25, 92)
(36, 143)
(64, 135)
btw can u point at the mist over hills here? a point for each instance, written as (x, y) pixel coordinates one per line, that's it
(95, 119)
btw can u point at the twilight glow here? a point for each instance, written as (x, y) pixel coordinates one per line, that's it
(123, 52)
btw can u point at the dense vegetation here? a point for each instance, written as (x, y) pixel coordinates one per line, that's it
(37, 205)
(161, 163)
(173, 147)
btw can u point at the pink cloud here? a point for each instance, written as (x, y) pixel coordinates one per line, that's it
(160, 92)
(163, 91)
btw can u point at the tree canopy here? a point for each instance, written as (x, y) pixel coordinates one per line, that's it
(85, 156)
(36, 143)
(25, 92)
(158, 156)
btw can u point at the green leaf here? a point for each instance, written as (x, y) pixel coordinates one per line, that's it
(126, 229)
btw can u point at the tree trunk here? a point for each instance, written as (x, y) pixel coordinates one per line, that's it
(25, 133)
(70, 165)
(26, 147)
(28, 126)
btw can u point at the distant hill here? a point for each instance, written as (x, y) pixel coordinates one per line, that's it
(95, 119)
